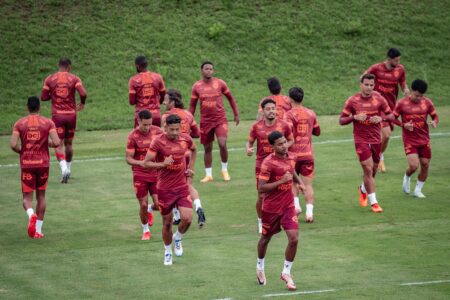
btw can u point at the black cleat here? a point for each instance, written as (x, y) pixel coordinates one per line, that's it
(65, 177)
(176, 221)
(201, 217)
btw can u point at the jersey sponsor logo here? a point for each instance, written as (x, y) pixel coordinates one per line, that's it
(147, 91)
(62, 92)
(33, 162)
(27, 176)
(33, 135)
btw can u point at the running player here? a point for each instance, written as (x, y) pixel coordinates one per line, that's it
(146, 90)
(283, 103)
(414, 110)
(304, 125)
(144, 180)
(275, 181)
(33, 132)
(60, 87)
(168, 154)
(213, 119)
(389, 74)
(174, 106)
(259, 132)
(364, 110)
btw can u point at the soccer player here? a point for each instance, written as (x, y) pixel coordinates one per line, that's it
(304, 124)
(213, 119)
(389, 75)
(365, 110)
(34, 132)
(174, 106)
(146, 90)
(168, 154)
(60, 87)
(282, 102)
(414, 110)
(144, 180)
(259, 132)
(275, 181)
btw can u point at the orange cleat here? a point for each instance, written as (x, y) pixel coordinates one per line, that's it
(309, 218)
(261, 277)
(206, 179)
(226, 176)
(38, 235)
(381, 166)
(362, 197)
(376, 208)
(146, 236)
(150, 218)
(32, 226)
(289, 281)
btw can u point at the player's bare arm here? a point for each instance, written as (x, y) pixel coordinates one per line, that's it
(130, 159)
(149, 162)
(14, 142)
(299, 182)
(265, 187)
(54, 140)
(249, 148)
(233, 107)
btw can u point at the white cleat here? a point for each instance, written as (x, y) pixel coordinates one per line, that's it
(406, 186)
(261, 277)
(65, 176)
(419, 195)
(309, 218)
(167, 258)
(178, 246)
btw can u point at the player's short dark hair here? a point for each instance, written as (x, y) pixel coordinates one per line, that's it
(368, 76)
(393, 53)
(145, 114)
(175, 96)
(267, 101)
(173, 119)
(33, 104)
(274, 85)
(296, 94)
(419, 85)
(141, 61)
(206, 62)
(64, 62)
(274, 136)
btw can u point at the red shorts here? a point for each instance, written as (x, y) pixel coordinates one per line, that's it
(387, 124)
(424, 151)
(273, 222)
(305, 168)
(142, 187)
(207, 132)
(65, 125)
(365, 151)
(34, 179)
(176, 197)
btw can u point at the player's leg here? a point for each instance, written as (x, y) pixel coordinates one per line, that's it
(369, 183)
(221, 132)
(385, 136)
(59, 151)
(29, 181)
(186, 220)
(309, 198)
(424, 166)
(68, 141)
(208, 147)
(167, 236)
(413, 163)
(289, 222)
(259, 203)
(41, 186)
(261, 250)
(197, 203)
(143, 214)
(152, 190)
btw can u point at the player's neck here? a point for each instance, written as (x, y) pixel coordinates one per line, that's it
(269, 123)
(296, 105)
(143, 71)
(62, 70)
(207, 80)
(366, 96)
(388, 65)
(280, 155)
(33, 114)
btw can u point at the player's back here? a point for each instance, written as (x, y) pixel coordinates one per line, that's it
(303, 122)
(62, 87)
(147, 86)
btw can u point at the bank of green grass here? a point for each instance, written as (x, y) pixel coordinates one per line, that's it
(321, 45)
(92, 250)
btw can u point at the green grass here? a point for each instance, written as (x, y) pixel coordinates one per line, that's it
(92, 250)
(321, 45)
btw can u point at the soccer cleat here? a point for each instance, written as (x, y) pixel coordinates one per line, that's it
(309, 218)
(146, 236)
(176, 221)
(167, 258)
(376, 208)
(381, 166)
(65, 177)
(201, 217)
(298, 210)
(362, 197)
(226, 176)
(206, 179)
(32, 225)
(38, 235)
(406, 186)
(261, 277)
(419, 195)
(150, 218)
(178, 246)
(289, 281)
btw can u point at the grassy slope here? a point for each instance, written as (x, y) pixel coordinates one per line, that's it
(321, 45)
(92, 250)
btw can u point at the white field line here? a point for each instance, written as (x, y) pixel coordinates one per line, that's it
(424, 282)
(300, 293)
(110, 158)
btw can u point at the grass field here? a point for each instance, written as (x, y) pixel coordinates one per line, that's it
(322, 45)
(92, 250)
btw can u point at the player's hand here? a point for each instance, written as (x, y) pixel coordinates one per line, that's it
(236, 120)
(286, 177)
(80, 106)
(301, 187)
(409, 126)
(189, 173)
(406, 91)
(375, 119)
(360, 117)
(433, 123)
(250, 151)
(168, 160)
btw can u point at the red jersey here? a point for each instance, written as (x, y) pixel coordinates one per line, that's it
(272, 169)
(364, 131)
(61, 86)
(417, 112)
(303, 122)
(387, 81)
(34, 131)
(260, 132)
(210, 94)
(282, 103)
(147, 87)
(173, 175)
(139, 142)
(188, 124)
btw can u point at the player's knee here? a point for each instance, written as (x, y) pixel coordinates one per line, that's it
(222, 143)
(413, 166)
(293, 241)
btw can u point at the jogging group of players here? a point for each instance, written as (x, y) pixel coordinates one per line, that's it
(162, 153)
